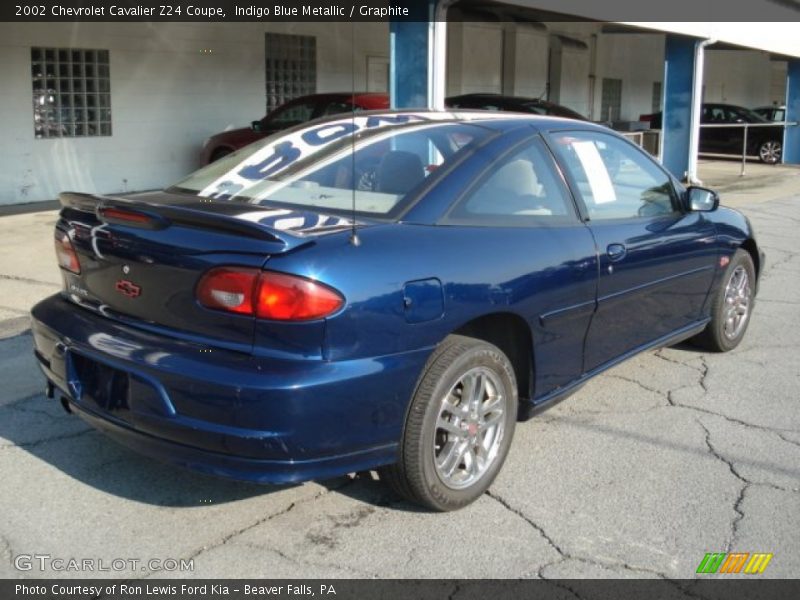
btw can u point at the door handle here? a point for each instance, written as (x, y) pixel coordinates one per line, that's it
(616, 252)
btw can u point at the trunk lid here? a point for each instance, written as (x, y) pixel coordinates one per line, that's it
(142, 255)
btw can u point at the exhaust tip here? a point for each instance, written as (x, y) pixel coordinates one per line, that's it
(65, 404)
(49, 390)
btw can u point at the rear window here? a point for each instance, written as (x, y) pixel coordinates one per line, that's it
(316, 166)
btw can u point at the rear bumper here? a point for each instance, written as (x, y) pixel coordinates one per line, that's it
(222, 412)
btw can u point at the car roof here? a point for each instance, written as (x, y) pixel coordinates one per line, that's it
(368, 100)
(494, 96)
(497, 120)
(514, 102)
(326, 95)
(725, 105)
(501, 99)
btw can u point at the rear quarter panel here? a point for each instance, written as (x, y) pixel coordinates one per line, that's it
(483, 270)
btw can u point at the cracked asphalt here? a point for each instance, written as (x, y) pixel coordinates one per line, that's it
(672, 454)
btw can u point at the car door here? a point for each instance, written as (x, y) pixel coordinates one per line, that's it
(536, 249)
(734, 136)
(656, 259)
(708, 136)
(715, 139)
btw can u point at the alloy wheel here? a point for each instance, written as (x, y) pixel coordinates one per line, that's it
(738, 296)
(469, 428)
(770, 152)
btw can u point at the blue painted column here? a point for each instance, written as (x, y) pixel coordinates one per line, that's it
(679, 53)
(791, 139)
(410, 56)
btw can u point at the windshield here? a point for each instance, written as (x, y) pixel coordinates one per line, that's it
(372, 161)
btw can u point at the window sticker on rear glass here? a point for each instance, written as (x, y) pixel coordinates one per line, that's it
(596, 172)
(276, 158)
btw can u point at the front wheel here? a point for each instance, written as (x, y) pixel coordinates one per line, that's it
(459, 426)
(732, 305)
(770, 152)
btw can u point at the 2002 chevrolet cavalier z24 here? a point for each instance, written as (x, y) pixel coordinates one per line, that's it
(385, 291)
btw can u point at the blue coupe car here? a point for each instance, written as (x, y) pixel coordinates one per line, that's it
(387, 291)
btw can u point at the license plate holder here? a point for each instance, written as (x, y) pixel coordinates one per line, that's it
(104, 386)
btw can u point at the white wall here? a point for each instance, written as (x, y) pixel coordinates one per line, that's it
(167, 97)
(476, 62)
(530, 68)
(742, 77)
(777, 86)
(638, 60)
(475, 58)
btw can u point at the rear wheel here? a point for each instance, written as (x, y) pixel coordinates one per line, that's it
(459, 426)
(770, 152)
(732, 305)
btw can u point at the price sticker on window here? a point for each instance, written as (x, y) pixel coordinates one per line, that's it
(596, 172)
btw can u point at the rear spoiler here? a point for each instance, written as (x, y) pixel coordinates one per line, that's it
(164, 215)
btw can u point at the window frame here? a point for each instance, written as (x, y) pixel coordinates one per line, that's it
(609, 100)
(677, 191)
(573, 216)
(81, 80)
(283, 47)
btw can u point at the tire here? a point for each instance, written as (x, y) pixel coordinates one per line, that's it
(733, 296)
(770, 152)
(474, 444)
(219, 153)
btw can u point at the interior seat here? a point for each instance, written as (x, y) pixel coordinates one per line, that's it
(399, 172)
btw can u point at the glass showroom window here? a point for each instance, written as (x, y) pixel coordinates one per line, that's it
(71, 92)
(291, 67)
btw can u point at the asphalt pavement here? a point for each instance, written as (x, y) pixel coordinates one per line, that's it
(671, 455)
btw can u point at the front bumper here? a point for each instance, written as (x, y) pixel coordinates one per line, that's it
(259, 419)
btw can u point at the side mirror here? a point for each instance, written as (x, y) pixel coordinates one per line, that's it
(702, 199)
(256, 126)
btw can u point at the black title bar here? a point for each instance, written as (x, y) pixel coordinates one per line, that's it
(731, 588)
(210, 10)
(400, 10)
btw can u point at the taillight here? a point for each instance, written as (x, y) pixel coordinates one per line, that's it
(120, 214)
(288, 298)
(131, 218)
(228, 288)
(266, 294)
(65, 253)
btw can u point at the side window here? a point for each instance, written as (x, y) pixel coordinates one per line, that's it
(523, 188)
(291, 115)
(734, 116)
(615, 180)
(718, 115)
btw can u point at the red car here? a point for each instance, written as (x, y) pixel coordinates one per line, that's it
(294, 112)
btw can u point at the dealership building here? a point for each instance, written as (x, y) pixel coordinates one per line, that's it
(123, 106)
